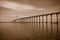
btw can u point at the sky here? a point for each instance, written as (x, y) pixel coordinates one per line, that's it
(10, 9)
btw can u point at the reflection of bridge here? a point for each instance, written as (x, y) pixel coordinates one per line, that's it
(47, 25)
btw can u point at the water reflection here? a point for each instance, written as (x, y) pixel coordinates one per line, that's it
(25, 31)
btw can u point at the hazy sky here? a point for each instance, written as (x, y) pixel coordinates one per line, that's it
(39, 3)
(9, 9)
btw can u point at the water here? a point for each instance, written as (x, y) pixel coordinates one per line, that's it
(27, 31)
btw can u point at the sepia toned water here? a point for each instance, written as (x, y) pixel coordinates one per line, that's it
(27, 31)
